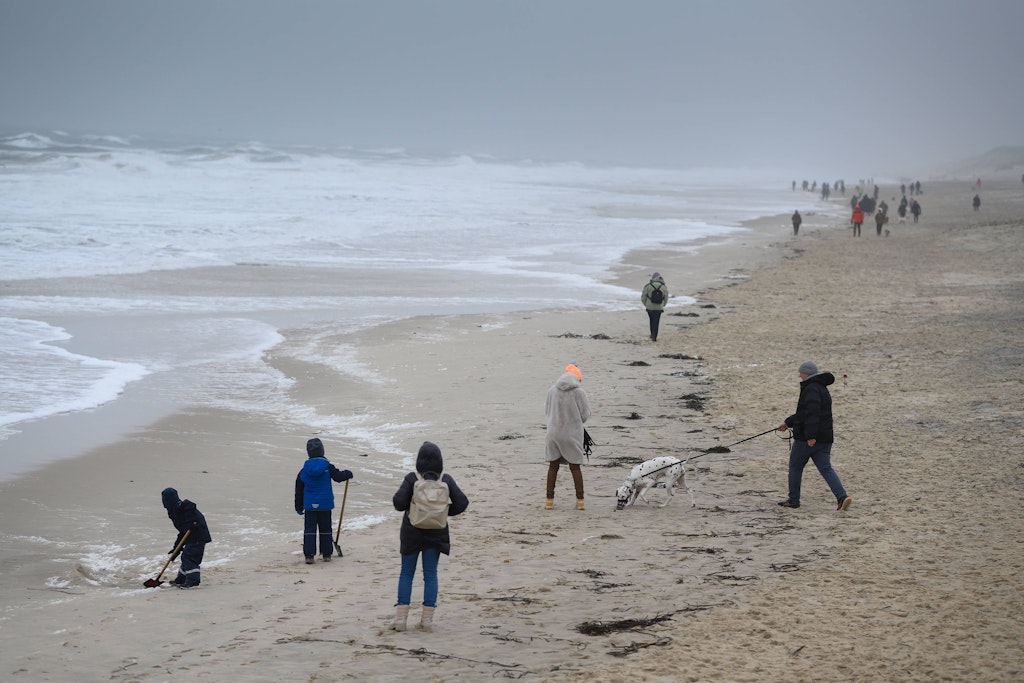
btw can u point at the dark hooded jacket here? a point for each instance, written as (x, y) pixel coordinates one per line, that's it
(813, 416)
(186, 517)
(313, 489)
(430, 465)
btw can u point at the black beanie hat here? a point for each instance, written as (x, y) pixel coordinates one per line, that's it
(314, 448)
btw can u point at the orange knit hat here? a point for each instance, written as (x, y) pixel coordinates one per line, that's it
(574, 370)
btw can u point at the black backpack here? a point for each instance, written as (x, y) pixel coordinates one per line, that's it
(657, 296)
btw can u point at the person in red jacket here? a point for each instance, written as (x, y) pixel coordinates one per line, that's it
(857, 218)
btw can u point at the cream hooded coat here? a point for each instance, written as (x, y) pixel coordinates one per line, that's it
(567, 409)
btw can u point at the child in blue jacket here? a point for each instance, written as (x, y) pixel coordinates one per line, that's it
(314, 498)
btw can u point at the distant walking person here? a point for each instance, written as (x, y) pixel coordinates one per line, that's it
(566, 409)
(422, 533)
(654, 297)
(187, 518)
(812, 435)
(314, 498)
(915, 209)
(976, 203)
(797, 220)
(879, 222)
(857, 219)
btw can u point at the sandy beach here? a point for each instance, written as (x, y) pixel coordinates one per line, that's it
(918, 581)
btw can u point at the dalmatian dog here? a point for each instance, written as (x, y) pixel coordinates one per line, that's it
(648, 473)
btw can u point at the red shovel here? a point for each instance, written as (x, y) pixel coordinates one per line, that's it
(153, 583)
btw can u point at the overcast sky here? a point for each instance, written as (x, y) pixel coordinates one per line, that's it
(839, 88)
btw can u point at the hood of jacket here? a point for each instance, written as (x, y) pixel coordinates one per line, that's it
(315, 466)
(825, 378)
(170, 498)
(568, 382)
(429, 459)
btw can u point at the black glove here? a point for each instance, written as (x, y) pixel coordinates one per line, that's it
(299, 511)
(346, 475)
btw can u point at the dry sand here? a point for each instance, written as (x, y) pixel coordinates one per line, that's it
(918, 581)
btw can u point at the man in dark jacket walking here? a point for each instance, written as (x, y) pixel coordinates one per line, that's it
(314, 498)
(812, 435)
(186, 518)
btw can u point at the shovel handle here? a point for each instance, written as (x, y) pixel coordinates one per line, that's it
(341, 514)
(174, 554)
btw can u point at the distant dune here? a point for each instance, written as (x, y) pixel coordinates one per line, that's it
(1003, 161)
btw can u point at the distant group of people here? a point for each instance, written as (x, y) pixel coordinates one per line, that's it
(914, 188)
(863, 205)
(826, 188)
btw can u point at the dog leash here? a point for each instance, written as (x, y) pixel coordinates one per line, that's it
(709, 451)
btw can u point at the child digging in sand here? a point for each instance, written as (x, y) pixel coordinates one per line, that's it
(187, 518)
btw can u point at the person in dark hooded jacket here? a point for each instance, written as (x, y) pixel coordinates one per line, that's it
(812, 435)
(186, 517)
(314, 498)
(430, 543)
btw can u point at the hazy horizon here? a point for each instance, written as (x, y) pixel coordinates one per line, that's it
(823, 88)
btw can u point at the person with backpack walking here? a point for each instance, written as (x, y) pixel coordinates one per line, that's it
(186, 518)
(428, 497)
(812, 435)
(314, 499)
(654, 297)
(566, 409)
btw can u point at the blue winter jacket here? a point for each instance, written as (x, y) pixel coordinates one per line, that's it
(313, 489)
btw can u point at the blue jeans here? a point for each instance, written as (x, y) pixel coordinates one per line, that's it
(820, 453)
(430, 558)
